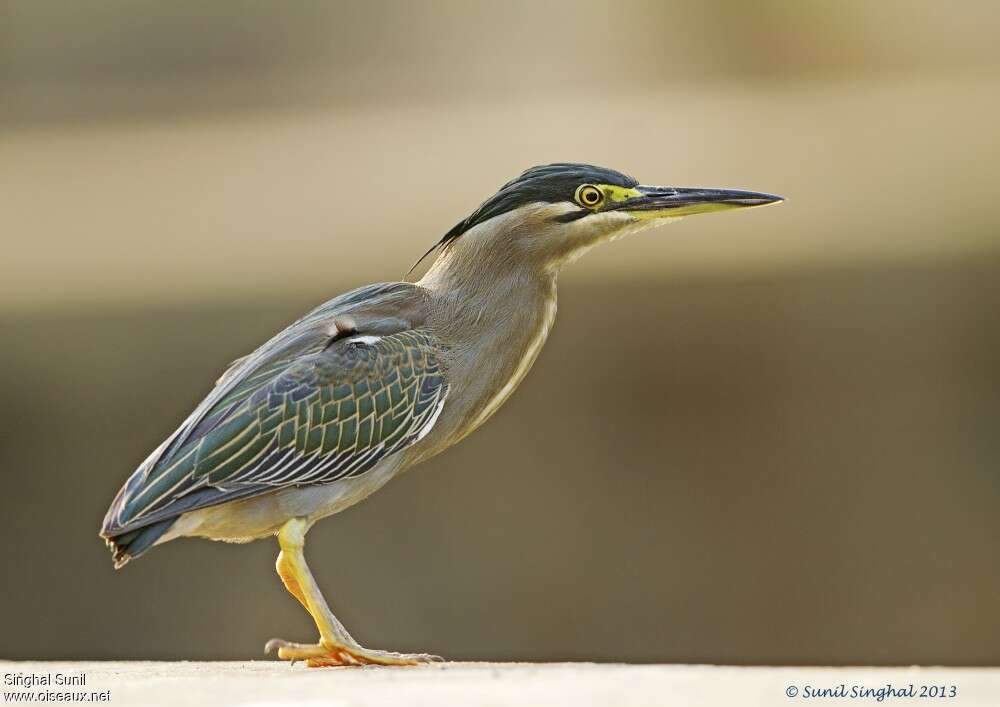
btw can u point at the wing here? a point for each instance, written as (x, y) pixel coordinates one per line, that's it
(311, 406)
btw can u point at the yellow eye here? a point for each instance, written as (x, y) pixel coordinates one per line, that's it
(589, 196)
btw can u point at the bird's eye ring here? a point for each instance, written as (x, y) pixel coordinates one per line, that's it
(589, 196)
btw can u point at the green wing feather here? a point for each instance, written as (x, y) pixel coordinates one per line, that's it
(301, 410)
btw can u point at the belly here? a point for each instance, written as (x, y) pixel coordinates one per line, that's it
(261, 516)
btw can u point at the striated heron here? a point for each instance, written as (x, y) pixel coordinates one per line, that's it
(382, 378)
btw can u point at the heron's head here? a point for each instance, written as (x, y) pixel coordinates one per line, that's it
(551, 214)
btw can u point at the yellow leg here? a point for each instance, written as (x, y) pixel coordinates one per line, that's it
(288, 579)
(336, 646)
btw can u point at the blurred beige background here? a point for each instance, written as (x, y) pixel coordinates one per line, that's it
(766, 437)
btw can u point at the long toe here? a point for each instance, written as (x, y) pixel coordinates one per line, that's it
(368, 656)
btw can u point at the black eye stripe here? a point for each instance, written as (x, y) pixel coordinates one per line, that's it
(571, 216)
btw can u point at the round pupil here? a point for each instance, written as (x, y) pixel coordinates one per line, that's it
(590, 196)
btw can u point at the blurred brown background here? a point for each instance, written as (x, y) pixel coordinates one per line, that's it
(766, 437)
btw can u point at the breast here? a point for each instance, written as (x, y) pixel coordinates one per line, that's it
(493, 323)
(531, 347)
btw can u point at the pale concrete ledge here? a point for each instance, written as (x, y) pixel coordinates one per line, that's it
(493, 684)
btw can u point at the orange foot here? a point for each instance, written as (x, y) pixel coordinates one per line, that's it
(328, 654)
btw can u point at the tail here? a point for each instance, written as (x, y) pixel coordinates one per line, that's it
(133, 543)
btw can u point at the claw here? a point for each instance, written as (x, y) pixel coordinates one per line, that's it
(274, 644)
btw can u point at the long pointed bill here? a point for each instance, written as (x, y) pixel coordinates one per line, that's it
(674, 202)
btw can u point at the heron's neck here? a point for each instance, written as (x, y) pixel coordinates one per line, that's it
(489, 287)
